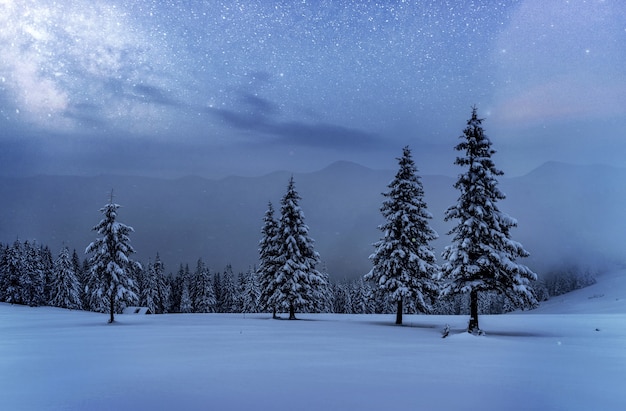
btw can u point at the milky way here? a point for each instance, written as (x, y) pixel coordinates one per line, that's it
(212, 88)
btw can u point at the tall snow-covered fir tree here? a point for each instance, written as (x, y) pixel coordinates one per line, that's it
(298, 283)
(404, 261)
(110, 261)
(268, 262)
(65, 285)
(482, 254)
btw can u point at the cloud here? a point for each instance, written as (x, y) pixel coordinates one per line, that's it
(153, 94)
(259, 105)
(259, 115)
(325, 135)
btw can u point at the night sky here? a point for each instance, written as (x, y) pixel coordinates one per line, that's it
(215, 88)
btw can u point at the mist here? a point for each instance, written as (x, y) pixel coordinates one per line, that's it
(567, 215)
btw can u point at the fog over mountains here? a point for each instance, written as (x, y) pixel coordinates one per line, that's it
(567, 215)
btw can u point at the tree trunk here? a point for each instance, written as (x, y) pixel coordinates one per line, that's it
(473, 321)
(112, 307)
(399, 313)
(274, 316)
(292, 312)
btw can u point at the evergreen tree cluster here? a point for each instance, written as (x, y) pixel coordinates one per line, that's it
(65, 278)
(479, 273)
(480, 261)
(288, 271)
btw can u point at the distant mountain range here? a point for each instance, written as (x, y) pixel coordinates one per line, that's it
(567, 214)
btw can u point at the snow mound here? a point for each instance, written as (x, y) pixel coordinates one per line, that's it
(606, 296)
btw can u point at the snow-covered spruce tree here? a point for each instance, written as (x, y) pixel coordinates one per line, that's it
(251, 292)
(65, 286)
(32, 276)
(186, 303)
(110, 261)
(362, 297)
(268, 262)
(228, 291)
(163, 286)
(202, 291)
(482, 254)
(12, 263)
(404, 261)
(149, 295)
(298, 282)
(3, 252)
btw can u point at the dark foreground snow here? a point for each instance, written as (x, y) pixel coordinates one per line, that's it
(53, 359)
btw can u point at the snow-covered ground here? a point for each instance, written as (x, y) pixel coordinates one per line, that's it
(569, 354)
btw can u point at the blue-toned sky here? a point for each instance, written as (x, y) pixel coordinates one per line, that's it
(213, 88)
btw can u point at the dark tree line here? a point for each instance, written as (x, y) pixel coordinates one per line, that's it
(60, 282)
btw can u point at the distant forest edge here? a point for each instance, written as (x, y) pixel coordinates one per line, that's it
(31, 275)
(566, 215)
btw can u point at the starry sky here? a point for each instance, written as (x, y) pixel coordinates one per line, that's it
(214, 88)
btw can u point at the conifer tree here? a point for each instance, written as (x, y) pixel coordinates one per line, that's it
(228, 292)
(217, 291)
(3, 253)
(251, 292)
(404, 261)
(149, 295)
(47, 266)
(268, 262)
(164, 290)
(186, 304)
(65, 286)
(110, 260)
(298, 282)
(176, 287)
(202, 290)
(362, 297)
(482, 255)
(12, 264)
(32, 276)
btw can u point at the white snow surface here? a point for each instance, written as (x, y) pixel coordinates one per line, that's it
(570, 354)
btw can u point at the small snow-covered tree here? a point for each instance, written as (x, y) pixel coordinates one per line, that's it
(11, 267)
(404, 261)
(482, 254)
(362, 297)
(176, 290)
(110, 260)
(149, 295)
(65, 286)
(164, 290)
(251, 292)
(268, 262)
(203, 294)
(32, 276)
(298, 282)
(342, 298)
(186, 302)
(228, 291)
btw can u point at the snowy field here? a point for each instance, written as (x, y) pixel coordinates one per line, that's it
(570, 354)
